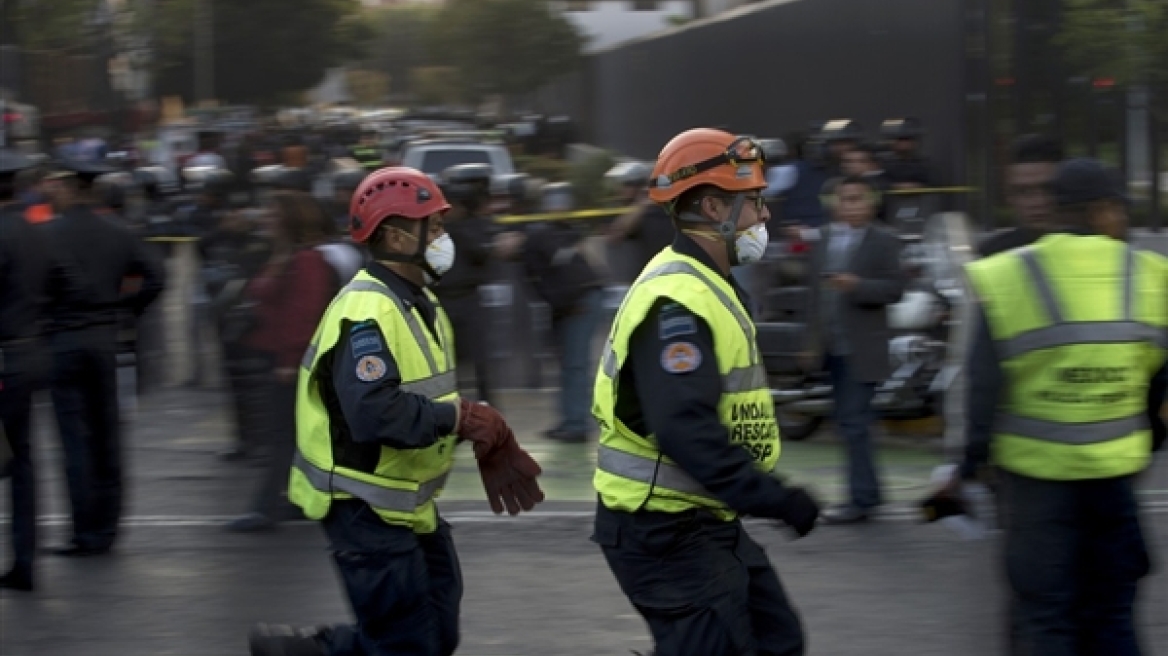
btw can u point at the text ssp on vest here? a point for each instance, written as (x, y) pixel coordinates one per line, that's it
(752, 425)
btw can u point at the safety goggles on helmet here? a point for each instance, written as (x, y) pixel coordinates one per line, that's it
(743, 151)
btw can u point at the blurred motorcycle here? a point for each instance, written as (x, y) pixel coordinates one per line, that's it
(921, 323)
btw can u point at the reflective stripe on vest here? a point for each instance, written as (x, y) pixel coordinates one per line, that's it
(416, 328)
(400, 490)
(375, 495)
(653, 472)
(632, 474)
(687, 268)
(1090, 332)
(1078, 433)
(1060, 333)
(742, 379)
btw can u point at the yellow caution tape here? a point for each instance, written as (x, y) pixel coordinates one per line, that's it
(605, 213)
(563, 216)
(931, 190)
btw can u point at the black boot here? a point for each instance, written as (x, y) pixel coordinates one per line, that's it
(17, 578)
(283, 640)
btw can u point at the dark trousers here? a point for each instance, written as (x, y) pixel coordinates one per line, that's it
(249, 373)
(16, 387)
(854, 418)
(702, 585)
(470, 340)
(271, 498)
(1074, 554)
(405, 588)
(574, 336)
(85, 399)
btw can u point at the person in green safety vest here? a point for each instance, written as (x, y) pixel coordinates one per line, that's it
(1066, 376)
(378, 416)
(367, 153)
(688, 438)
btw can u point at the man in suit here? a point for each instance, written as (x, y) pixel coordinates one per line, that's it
(856, 274)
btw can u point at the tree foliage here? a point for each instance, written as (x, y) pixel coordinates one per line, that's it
(265, 51)
(65, 25)
(367, 87)
(1121, 40)
(436, 85)
(506, 47)
(401, 43)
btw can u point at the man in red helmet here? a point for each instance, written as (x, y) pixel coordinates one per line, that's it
(378, 416)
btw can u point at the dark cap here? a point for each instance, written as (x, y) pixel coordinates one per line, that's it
(84, 171)
(1087, 180)
(13, 162)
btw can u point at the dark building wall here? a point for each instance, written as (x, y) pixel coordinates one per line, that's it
(781, 65)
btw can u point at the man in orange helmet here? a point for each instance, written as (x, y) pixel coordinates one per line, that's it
(688, 434)
(377, 418)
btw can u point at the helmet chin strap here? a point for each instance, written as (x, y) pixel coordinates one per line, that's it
(417, 258)
(727, 229)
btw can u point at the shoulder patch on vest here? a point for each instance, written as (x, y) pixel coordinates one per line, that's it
(676, 326)
(680, 357)
(371, 368)
(365, 339)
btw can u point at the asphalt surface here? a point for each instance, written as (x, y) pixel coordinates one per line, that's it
(178, 584)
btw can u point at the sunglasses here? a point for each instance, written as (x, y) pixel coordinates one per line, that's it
(742, 150)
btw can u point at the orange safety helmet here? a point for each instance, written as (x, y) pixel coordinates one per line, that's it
(704, 156)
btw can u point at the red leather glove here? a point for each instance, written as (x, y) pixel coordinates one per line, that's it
(509, 475)
(483, 425)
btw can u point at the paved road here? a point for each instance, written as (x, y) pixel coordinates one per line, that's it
(180, 585)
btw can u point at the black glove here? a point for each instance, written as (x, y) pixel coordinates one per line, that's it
(799, 510)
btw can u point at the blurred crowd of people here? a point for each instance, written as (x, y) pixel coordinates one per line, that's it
(271, 253)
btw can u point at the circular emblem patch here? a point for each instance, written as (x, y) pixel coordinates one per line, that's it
(680, 357)
(370, 368)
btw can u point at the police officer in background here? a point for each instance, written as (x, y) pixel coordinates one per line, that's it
(84, 343)
(1065, 381)
(159, 190)
(688, 434)
(232, 253)
(345, 182)
(367, 152)
(31, 280)
(113, 191)
(906, 169)
(212, 188)
(378, 417)
(645, 224)
(468, 189)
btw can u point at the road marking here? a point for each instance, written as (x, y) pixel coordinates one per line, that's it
(896, 514)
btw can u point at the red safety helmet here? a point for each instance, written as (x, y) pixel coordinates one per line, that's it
(393, 191)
